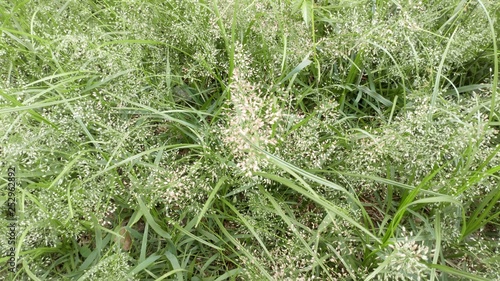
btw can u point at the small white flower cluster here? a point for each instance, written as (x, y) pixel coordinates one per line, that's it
(269, 52)
(290, 259)
(291, 262)
(250, 119)
(254, 118)
(418, 141)
(480, 258)
(113, 266)
(407, 37)
(309, 142)
(404, 261)
(177, 186)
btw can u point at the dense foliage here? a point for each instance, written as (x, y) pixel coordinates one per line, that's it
(251, 140)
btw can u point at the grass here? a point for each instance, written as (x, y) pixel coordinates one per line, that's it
(249, 140)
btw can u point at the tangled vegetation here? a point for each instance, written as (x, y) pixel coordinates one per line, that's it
(250, 140)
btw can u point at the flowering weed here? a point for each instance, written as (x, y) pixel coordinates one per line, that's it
(250, 140)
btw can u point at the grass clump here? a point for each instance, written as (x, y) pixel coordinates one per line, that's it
(250, 140)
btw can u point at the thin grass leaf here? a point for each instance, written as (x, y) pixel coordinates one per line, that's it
(100, 243)
(210, 199)
(228, 274)
(37, 105)
(66, 169)
(407, 202)
(250, 227)
(354, 70)
(33, 113)
(139, 155)
(322, 202)
(468, 88)
(435, 91)
(291, 222)
(456, 272)
(379, 269)
(482, 214)
(437, 248)
(374, 95)
(29, 272)
(181, 229)
(347, 265)
(175, 264)
(144, 243)
(143, 265)
(305, 62)
(151, 221)
(172, 272)
(243, 250)
(496, 71)
(295, 171)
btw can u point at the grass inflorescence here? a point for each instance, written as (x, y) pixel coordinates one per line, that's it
(251, 140)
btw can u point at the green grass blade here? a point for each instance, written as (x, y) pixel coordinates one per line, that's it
(456, 272)
(145, 264)
(250, 227)
(210, 199)
(175, 264)
(151, 221)
(242, 249)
